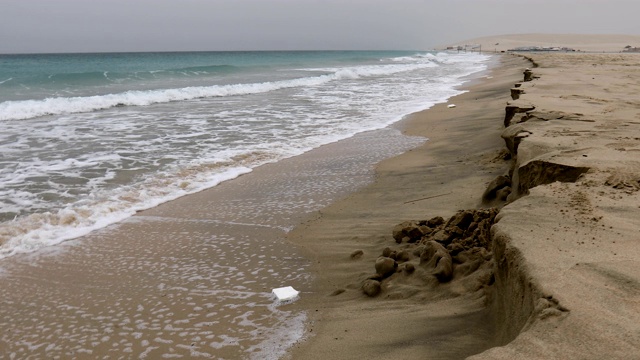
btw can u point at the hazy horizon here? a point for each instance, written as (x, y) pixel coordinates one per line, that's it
(64, 26)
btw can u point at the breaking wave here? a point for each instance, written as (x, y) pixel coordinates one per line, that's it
(26, 109)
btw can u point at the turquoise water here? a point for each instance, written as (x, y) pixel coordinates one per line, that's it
(89, 139)
(26, 77)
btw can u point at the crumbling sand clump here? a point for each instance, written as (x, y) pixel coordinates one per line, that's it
(433, 252)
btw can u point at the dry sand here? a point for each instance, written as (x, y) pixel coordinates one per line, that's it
(568, 248)
(566, 274)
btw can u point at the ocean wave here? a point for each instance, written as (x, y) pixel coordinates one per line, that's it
(26, 109)
(91, 77)
(109, 77)
(207, 69)
(25, 234)
(35, 226)
(413, 58)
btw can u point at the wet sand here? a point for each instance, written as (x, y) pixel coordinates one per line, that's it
(414, 320)
(188, 279)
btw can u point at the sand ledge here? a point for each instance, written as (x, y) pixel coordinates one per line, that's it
(564, 247)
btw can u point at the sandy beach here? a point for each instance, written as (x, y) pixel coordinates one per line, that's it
(568, 241)
(511, 233)
(190, 278)
(561, 280)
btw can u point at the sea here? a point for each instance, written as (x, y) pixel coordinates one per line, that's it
(88, 141)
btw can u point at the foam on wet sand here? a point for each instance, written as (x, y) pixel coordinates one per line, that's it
(190, 278)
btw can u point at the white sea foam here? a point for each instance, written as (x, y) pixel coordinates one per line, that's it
(34, 231)
(157, 154)
(26, 109)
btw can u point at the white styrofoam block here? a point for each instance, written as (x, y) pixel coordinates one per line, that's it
(285, 293)
(451, 106)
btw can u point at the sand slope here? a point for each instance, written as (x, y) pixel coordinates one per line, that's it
(569, 252)
(566, 268)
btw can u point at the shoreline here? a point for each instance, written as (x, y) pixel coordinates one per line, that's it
(557, 270)
(562, 268)
(50, 225)
(457, 161)
(178, 279)
(190, 277)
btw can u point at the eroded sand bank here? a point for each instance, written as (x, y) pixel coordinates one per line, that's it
(567, 279)
(564, 263)
(417, 317)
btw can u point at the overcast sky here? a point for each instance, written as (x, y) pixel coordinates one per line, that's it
(179, 25)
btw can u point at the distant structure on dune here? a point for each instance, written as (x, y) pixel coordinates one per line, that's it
(466, 47)
(542, 48)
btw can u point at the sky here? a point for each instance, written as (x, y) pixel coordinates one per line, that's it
(28, 26)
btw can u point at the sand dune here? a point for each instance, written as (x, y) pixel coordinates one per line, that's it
(579, 42)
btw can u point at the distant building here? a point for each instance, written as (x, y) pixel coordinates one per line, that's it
(541, 48)
(630, 48)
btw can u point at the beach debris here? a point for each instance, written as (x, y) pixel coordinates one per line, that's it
(287, 293)
(495, 189)
(428, 197)
(437, 257)
(385, 266)
(409, 231)
(457, 249)
(371, 287)
(356, 254)
(451, 106)
(409, 268)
